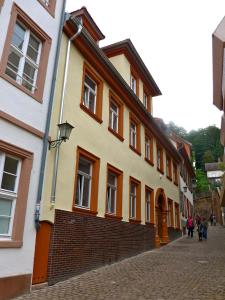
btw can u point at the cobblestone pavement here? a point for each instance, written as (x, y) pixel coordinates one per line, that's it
(184, 269)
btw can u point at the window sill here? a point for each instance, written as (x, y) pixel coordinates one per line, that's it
(135, 221)
(135, 150)
(91, 114)
(149, 161)
(85, 211)
(10, 244)
(116, 134)
(161, 171)
(110, 216)
(168, 177)
(20, 87)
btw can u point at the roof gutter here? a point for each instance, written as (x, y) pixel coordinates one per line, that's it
(47, 126)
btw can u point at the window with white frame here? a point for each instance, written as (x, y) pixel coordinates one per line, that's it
(133, 200)
(133, 134)
(113, 116)
(148, 205)
(133, 83)
(9, 178)
(111, 193)
(90, 92)
(24, 57)
(145, 100)
(84, 178)
(147, 148)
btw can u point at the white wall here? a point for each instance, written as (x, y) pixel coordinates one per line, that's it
(18, 104)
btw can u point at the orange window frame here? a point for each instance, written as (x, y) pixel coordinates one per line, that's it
(26, 157)
(134, 74)
(50, 7)
(168, 167)
(177, 216)
(175, 175)
(137, 183)
(145, 92)
(148, 189)
(171, 211)
(120, 105)
(159, 150)
(149, 136)
(137, 123)
(20, 15)
(119, 194)
(87, 70)
(94, 181)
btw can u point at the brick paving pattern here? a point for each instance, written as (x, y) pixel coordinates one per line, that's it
(183, 270)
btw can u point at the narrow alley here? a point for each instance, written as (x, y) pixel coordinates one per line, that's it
(184, 269)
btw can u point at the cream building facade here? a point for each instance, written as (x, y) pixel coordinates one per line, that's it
(118, 171)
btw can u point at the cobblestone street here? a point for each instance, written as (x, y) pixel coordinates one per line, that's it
(185, 269)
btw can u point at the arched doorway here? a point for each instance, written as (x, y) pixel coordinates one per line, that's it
(161, 218)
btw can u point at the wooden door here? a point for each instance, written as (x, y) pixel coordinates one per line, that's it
(40, 271)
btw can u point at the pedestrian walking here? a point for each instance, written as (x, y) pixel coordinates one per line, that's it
(211, 219)
(200, 229)
(190, 226)
(214, 220)
(205, 228)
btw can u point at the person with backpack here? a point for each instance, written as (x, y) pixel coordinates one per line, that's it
(190, 226)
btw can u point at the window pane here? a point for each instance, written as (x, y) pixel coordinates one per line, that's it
(33, 47)
(113, 107)
(133, 188)
(90, 82)
(112, 179)
(86, 192)
(84, 166)
(5, 207)
(18, 36)
(12, 65)
(4, 225)
(115, 122)
(28, 75)
(11, 165)
(92, 102)
(113, 202)
(85, 96)
(8, 182)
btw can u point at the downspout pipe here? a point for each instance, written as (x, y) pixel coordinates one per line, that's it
(65, 76)
(47, 125)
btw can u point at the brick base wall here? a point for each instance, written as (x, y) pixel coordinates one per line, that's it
(83, 242)
(174, 233)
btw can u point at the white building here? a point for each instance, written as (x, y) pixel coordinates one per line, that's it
(28, 50)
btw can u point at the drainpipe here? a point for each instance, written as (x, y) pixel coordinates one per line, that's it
(47, 126)
(56, 161)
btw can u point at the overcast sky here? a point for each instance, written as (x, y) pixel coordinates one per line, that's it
(174, 39)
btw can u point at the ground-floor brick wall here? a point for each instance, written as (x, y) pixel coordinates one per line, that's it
(174, 233)
(82, 242)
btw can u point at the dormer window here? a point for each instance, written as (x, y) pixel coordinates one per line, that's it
(145, 100)
(133, 84)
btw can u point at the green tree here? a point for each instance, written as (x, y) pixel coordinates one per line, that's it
(208, 157)
(202, 182)
(177, 129)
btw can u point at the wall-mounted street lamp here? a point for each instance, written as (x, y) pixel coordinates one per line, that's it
(64, 134)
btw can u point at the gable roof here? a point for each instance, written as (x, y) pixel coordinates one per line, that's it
(127, 48)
